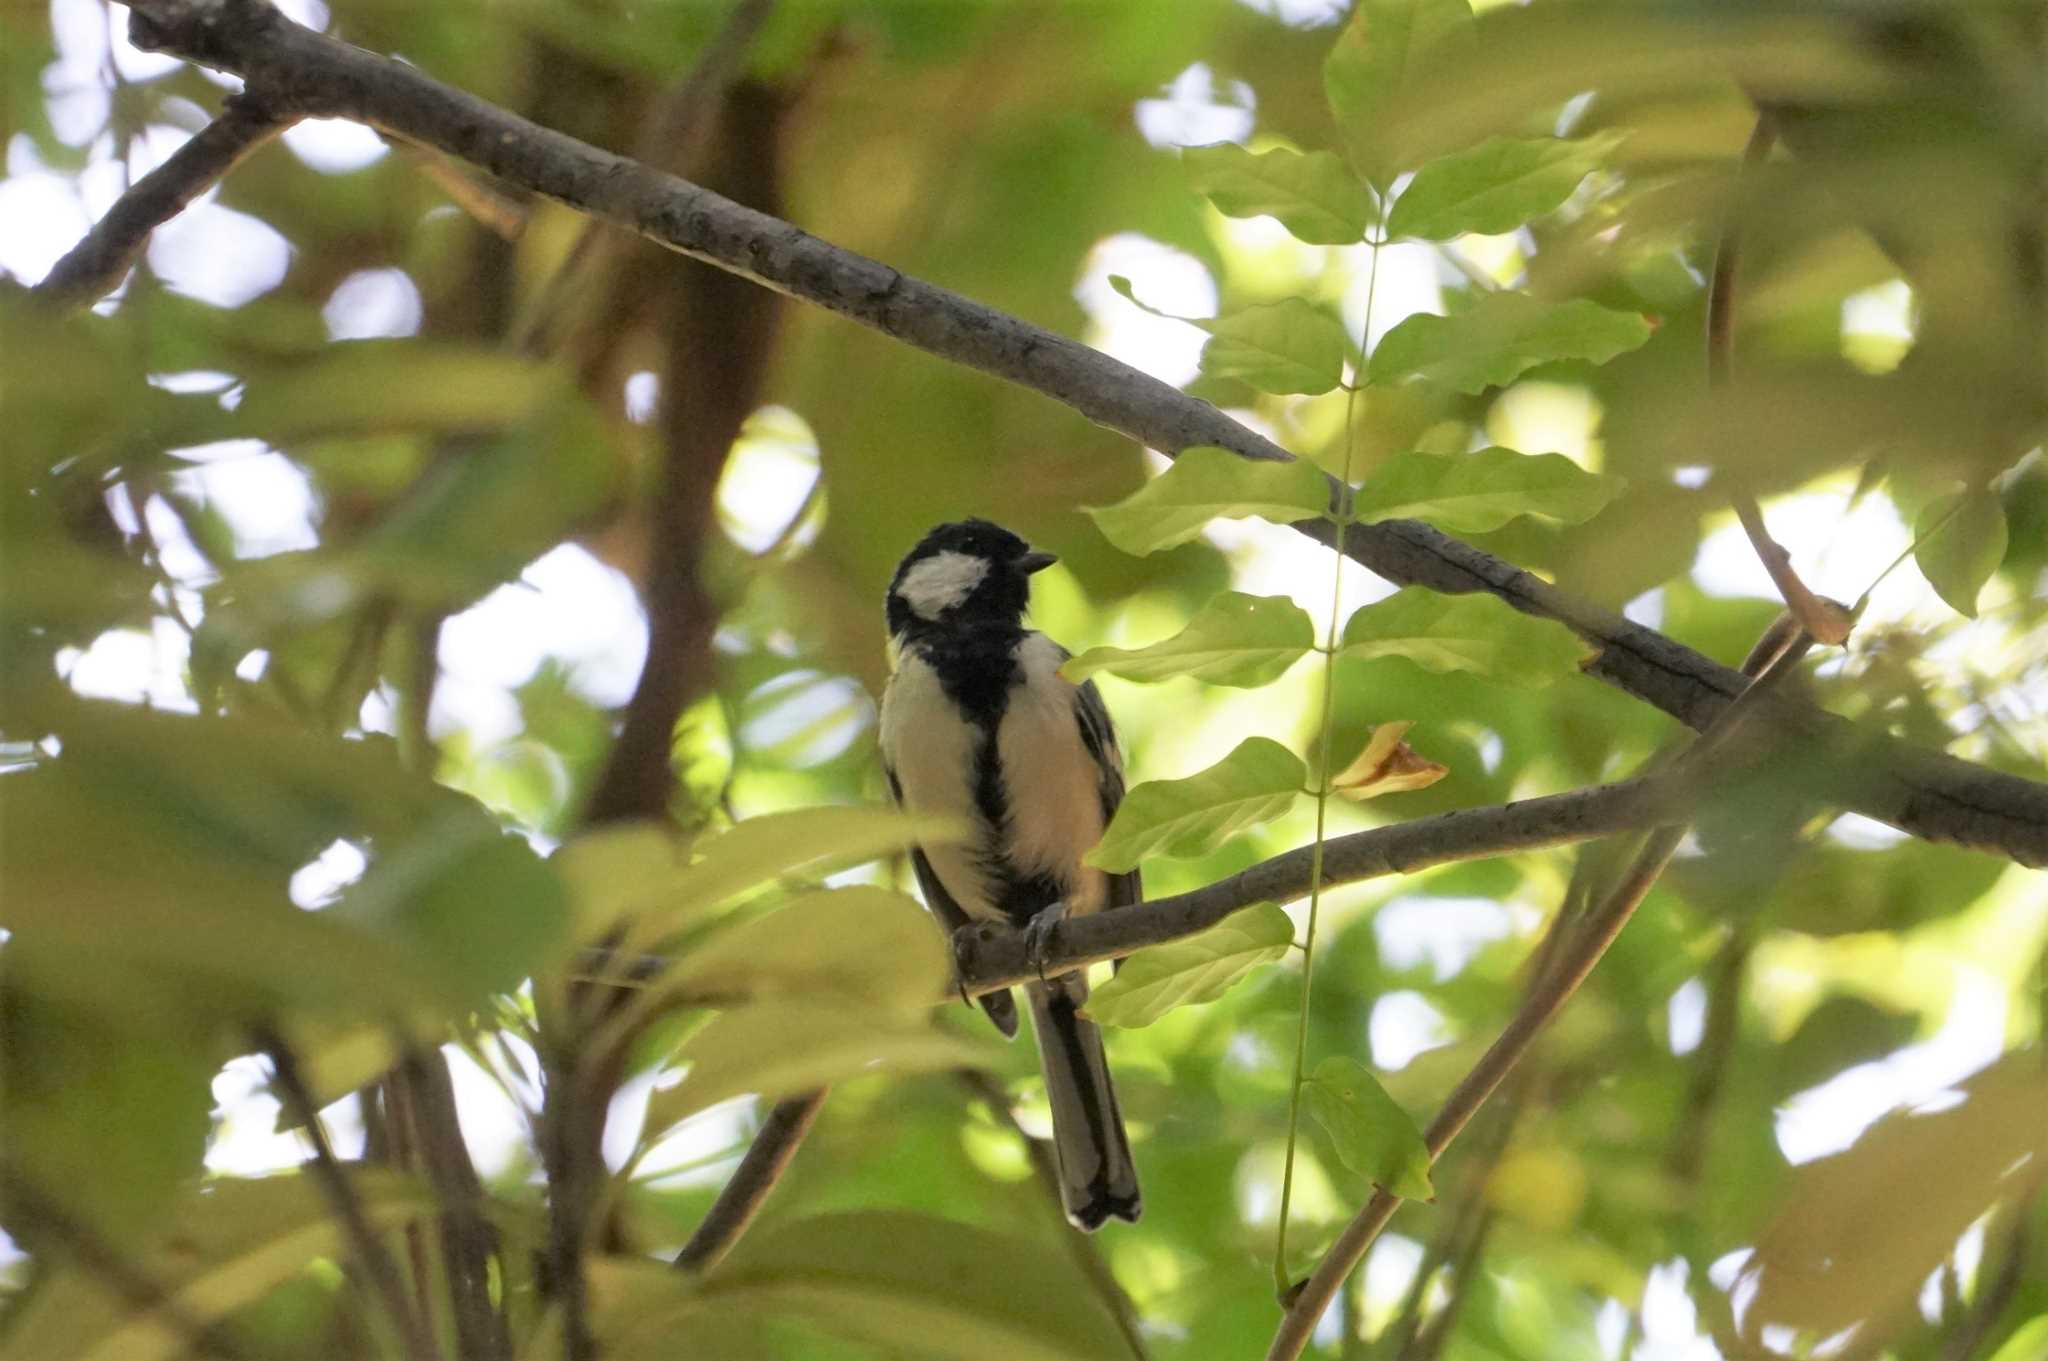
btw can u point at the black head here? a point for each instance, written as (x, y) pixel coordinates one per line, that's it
(963, 574)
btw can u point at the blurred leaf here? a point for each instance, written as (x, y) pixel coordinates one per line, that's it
(918, 1284)
(1283, 347)
(1500, 337)
(2029, 1341)
(1372, 61)
(1314, 195)
(1479, 492)
(1478, 633)
(1235, 639)
(1256, 783)
(1838, 1251)
(1959, 541)
(231, 1242)
(1493, 188)
(802, 844)
(1193, 971)
(1387, 765)
(860, 945)
(1202, 485)
(1374, 1137)
(778, 1048)
(419, 385)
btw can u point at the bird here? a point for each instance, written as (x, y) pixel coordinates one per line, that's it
(979, 727)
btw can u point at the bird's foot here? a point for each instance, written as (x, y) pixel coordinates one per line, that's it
(1038, 937)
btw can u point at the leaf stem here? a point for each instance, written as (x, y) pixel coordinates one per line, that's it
(1341, 518)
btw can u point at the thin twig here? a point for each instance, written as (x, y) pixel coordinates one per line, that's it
(1824, 619)
(346, 1206)
(97, 263)
(746, 1191)
(1576, 957)
(106, 1263)
(1927, 794)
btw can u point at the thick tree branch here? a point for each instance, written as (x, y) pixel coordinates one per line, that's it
(102, 259)
(991, 957)
(1923, 793)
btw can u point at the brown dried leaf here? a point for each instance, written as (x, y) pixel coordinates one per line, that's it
(1388, 765)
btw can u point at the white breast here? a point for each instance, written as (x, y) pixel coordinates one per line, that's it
(1055, 794)
(931, 749)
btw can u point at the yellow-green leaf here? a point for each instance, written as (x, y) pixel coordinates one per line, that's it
(1477, 633)
(1283, 347)
(1960, 539)
(1313, 194)
(776, 1048)
(1479, 492)
(1203, 485)
(1193, 971)
(1375, 56)
(1373, 1136)
(1495, 187)
(1255, 783)
(1499, 338)
(1234, 639)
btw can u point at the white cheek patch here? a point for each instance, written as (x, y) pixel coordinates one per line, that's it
(940, 582)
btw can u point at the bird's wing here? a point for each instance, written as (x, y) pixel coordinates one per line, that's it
(1100, 736)
(1000, 1006)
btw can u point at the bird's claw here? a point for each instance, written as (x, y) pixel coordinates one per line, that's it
(1038, 937)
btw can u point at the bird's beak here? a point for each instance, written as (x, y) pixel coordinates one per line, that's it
(1035, 562)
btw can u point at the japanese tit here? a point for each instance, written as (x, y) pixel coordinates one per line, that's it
(978, 726)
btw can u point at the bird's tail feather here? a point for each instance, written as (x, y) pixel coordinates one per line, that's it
(1097, 1176)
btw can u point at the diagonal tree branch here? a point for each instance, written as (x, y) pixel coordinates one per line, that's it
(1926, 794)
(102, 259)
(746, 1190)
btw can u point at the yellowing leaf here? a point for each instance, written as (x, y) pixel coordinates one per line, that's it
(1193, 971)
(1235, 639)
(1373, 1136)
(1478, 633)
(1388, 765)
(1479, 492)
(1204, 484)
(1256, 783)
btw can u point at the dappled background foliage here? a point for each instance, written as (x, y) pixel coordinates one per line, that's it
(321, 544)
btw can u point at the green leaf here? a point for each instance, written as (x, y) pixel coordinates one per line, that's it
(1190, 972)
(1313, 194)
(1960, 541)
(1204, 484)
(1375, 56)
(914, 1284)
(1479, 492)
(1282, 347)
(1495, 187)
(420, 385)
(860, 946)
(2029, 1341)
(1478, 633)
(1234, 639)
(622, 877)
(1499, 338)
(1373, 1135)
(781, 1047)
(228, 1245)
(1255, 783)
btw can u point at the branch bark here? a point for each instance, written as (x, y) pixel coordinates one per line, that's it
(98, 263)
(1924, 793)
(746, 1191)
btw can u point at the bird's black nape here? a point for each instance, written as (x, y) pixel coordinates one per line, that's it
(966, 573)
